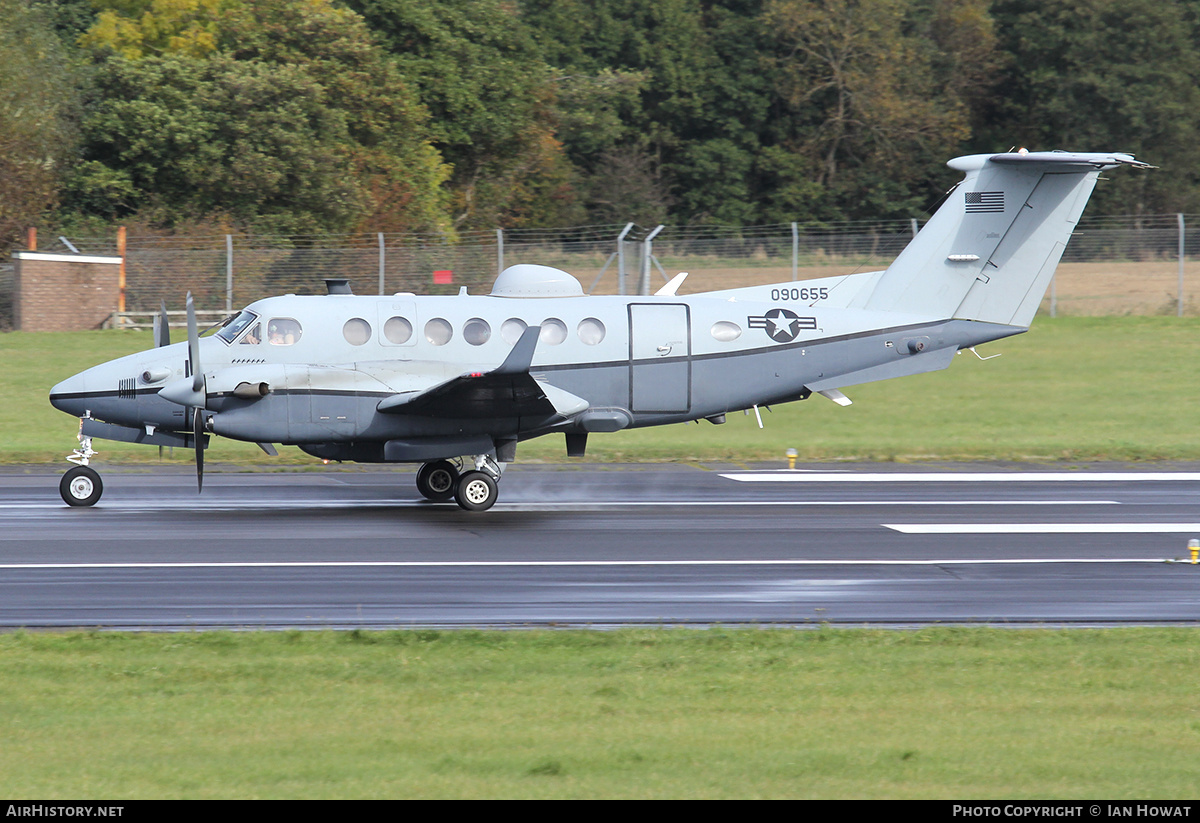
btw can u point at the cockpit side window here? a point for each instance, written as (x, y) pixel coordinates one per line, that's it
(252, 337)
(237, 326)
(283, 331)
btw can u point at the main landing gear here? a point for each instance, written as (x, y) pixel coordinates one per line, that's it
(474, 490)
(436, 481)
(81, 485)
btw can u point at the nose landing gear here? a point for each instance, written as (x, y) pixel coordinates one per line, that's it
(81, 485)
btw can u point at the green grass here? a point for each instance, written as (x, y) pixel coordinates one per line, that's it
(937, 713)
(1077, 388)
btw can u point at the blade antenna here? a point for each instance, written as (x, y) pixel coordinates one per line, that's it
(162, 327)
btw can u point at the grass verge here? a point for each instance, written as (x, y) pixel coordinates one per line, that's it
(937, 713)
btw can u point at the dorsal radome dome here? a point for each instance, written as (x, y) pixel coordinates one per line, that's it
(528, 280)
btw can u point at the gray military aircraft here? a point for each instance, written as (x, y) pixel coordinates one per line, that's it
(429, 379)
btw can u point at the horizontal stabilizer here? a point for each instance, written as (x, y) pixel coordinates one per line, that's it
(926, 361)
(1051, 161)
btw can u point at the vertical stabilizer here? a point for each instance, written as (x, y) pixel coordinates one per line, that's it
(990, 250)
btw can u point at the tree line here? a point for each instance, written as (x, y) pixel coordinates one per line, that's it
(315, 116)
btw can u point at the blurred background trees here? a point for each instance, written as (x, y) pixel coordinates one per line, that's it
(309, 116)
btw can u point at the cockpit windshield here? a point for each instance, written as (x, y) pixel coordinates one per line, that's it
(237, 326)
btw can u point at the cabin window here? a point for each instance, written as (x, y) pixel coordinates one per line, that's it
(252, 337)
(591, 331)
(283, 331)
(356, 331)
(438, 331)
(397, 330)
(725, 331)
(554, 331)
(236, 326)
(511, 330)
(476, 331)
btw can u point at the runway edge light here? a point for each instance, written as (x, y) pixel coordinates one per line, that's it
(791, 458)
(1194, 548)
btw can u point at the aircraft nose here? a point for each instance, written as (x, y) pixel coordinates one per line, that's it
(70, 395)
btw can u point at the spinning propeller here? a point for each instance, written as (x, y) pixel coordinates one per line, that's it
(197, 391)
(189, 392)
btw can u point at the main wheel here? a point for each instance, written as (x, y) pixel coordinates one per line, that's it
(81, 486)
(476, 491)
(437, 481)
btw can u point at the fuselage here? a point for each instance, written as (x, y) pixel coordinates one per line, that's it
(326, 362)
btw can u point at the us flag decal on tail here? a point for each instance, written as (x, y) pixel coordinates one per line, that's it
(982, 202)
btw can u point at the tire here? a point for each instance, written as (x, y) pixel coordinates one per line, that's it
(476, 491)
(437, 481)
(81, 486)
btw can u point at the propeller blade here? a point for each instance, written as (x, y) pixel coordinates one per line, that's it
(194, 347)
(189, 391)
(198, 433)
(162, 327)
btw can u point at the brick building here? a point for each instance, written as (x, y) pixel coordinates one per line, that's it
(64, 292)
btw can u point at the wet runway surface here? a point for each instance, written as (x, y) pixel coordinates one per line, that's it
(605, 546)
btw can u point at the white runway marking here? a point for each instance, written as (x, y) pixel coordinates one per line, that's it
(375, 564)
(960, 477)
(1044, 528)
(210, 505)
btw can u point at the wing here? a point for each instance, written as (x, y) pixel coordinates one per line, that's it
(507, 391)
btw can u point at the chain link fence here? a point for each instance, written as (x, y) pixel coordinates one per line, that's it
(1113, 265)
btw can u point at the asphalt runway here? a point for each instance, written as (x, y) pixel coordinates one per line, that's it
(606, 546)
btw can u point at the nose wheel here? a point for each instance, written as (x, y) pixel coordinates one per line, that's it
(81, 486)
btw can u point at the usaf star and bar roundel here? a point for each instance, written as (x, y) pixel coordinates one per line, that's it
(781, 325)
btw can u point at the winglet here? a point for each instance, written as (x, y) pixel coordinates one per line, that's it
(521, 357)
